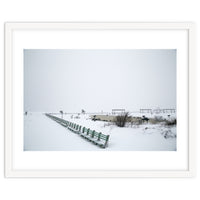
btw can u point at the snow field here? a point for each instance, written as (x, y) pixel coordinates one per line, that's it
(43, 134)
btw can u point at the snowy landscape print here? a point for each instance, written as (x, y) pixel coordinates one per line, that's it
(100, 100)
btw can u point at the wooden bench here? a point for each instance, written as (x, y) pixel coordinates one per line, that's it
(74, 127)
(58, 120)
(96, 138)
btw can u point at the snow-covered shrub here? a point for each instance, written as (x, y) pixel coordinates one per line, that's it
(121, 120)
(135, 121)
(168, 134)
(77, 117)
(159, 118)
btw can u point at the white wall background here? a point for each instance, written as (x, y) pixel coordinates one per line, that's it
(93, 10)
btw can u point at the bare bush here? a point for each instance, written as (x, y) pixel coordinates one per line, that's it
(159, 118)
(121, 120)
(168, 134)
(170, 122)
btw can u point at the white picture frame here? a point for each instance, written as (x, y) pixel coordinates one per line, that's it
(11, 103)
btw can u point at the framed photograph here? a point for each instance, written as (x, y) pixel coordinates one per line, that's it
(99, 100)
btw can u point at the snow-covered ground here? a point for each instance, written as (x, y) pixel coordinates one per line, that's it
(43, 134)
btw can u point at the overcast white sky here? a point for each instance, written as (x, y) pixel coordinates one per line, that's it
(97, 80)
